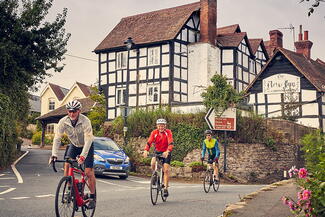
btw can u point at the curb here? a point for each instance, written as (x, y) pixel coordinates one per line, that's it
(233, 208)
(14, 169)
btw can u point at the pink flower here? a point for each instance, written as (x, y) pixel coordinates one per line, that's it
(306, 195)
(291, 205)
(285, 200)
(300, 195)
(302, 173)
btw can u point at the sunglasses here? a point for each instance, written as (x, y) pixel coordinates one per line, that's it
(72, 111)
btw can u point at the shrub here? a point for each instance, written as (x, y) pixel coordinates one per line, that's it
(176, 163)
(197, 166)
(37, 138)
(145, 161)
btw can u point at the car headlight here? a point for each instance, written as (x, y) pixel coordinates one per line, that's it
(127, 160)
(99, 158)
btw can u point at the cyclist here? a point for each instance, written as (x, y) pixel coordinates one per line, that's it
(163, 140)
(211, 145)
(79, 131)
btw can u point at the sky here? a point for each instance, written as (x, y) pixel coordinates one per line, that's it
(89, 21)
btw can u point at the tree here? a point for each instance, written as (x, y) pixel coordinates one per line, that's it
(220, 95)
(97, 115)
(313, 6)
(29, 47)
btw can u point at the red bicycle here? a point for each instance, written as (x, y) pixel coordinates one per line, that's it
(72, 194)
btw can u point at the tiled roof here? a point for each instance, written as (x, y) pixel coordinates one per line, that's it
(255, 43)
(320, 61)
(87, 105)
(228, 29)
(58, 91)
(149, 27)
(84, 88)
(313, 70)
(231, 40)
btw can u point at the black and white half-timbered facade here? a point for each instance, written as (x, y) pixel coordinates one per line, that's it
(176, 51)
(291, 82)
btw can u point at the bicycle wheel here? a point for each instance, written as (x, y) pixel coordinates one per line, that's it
(162, 189)
(216, 184)
(154, 188)
(65, 203)
(207, 181)
(86, 195)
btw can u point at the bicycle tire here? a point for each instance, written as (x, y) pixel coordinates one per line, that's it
(164, 199)
(216, 184)
(86, 194)
(154, 188)
(65, 198)
(207, 181)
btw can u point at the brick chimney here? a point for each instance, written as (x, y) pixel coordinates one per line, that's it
(303, 46)
(208, 21)
(276, 39)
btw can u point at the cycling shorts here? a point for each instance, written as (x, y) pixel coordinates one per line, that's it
(167, 159)
(212, 158)
(74, 151)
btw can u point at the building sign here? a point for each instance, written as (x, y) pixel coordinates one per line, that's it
(226, 121)
(281, 83)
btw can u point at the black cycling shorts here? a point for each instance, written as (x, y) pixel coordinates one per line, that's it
(211, 158)
(167, 159)
(74, 151)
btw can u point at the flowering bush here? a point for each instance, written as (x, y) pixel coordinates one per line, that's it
(311, 199)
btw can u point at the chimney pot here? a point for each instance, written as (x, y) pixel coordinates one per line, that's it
(208, 21)
(300, 33)
(306, 35)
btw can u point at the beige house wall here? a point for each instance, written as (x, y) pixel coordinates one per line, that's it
(48, 94)
(74, 93)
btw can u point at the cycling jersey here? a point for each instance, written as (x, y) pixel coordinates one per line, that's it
(80, 136)
(212, 148)
(162, 140)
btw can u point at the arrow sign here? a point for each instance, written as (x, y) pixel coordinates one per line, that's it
(226, 121)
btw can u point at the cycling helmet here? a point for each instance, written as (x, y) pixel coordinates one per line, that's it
(73, 105)
(161, 121)
(208, 132)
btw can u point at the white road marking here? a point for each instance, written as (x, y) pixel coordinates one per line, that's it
(45, 195)
(7, 191)
(141, 182)
(13, 167)
(110, 183)
(19, 198)
(1, 199)
(2, 174)
(4, 186)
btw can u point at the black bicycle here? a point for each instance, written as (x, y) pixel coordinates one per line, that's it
(209, 179)
(157, 180)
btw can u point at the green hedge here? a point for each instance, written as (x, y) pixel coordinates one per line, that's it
(8, 132)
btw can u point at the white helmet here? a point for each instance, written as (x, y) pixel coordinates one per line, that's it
(161, 121)
(73, 105)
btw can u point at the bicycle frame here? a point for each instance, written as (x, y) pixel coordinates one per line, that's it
(159, 169)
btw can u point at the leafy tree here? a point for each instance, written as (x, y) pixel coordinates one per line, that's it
(97, 115)
(220, 95)
(29, 47)
(314, 5)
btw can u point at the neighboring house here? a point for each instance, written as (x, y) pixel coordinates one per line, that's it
(291, 80)
(54, 96)
(34, 103)
(176, 52)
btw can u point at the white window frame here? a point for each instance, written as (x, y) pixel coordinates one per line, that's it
(51, 104)
(152, 91)
(120, 96)
(121, 58)
(153, 56)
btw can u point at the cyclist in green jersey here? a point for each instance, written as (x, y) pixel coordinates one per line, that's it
(210, 145)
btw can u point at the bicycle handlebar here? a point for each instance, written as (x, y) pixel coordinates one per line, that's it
(70, 161)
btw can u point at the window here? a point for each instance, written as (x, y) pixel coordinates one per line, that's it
(153, 56)
(152, 94)
(50, 129)
(51, 104)
(120, 96)
(121, 60)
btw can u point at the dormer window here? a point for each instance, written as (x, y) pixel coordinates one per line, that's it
(51, 104)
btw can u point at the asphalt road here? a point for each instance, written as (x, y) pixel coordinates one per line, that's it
(116, 198)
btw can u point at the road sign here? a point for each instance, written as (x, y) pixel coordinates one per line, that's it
(225, 121)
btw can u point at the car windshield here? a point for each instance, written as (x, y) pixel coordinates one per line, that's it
(103, 144)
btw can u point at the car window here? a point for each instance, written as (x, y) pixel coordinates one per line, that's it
(107, 145)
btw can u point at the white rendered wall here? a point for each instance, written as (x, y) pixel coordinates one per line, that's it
(202, 65)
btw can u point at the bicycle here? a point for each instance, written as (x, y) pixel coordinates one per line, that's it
(209, 179)
(72, 193)
(157, 180)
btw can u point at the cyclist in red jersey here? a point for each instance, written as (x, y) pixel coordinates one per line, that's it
(163, 140)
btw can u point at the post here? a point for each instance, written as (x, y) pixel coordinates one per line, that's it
(43, 133)
(225, 153)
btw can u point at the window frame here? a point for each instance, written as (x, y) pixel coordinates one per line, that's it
(157, 92)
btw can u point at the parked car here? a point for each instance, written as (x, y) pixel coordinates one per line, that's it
(110, 159)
